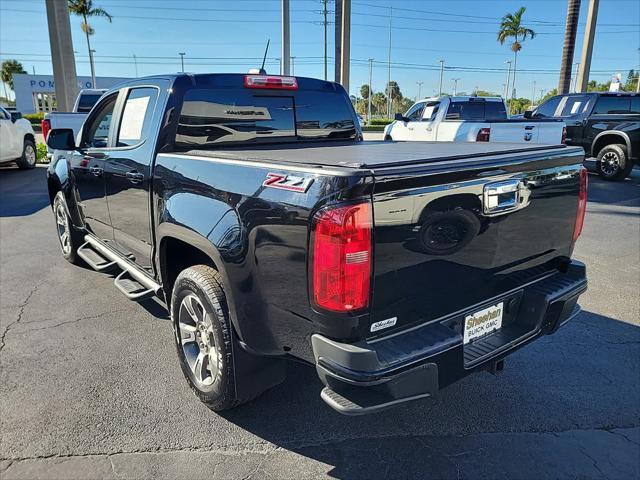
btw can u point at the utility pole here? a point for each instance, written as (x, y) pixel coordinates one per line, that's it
(337, 41)
(587, 45)
(573, 14)
(575, 77)
(441, 75)
(286, 48)
(182, 54)
(293, 65)
(345, 44)
(135, 62)
(533, 94)
(389, 93)
(64, 63)
(370, 91)
(324, 13)
(419, 89)
(455, 86)
(506, 91)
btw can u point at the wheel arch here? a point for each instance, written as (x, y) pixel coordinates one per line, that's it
(177, 248)
(609, 137)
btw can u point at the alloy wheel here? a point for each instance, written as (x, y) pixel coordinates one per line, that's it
(30, 154)
(610, 164)
(197, 340)
(64, 232)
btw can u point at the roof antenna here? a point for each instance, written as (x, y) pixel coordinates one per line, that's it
(264, 59)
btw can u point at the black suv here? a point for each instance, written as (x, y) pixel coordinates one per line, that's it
(605, 124)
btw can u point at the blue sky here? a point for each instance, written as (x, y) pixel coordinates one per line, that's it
(223, 36)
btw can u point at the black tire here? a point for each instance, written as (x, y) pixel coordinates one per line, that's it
(387, 138)
(205, 284)
(613, 162)
(444, 233)
(69, 246)
(29, 155)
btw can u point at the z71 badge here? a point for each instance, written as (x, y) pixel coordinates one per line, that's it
(287, 182)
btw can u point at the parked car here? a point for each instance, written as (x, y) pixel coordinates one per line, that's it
(85, 101)
(470, 119)
(249, 205)
(606, 125)
(17, 140)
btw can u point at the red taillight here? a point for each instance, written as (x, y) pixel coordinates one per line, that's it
(483, 135)
(270, 81)
(564, 135)
(582, 204)
(342, 258)
(46, 127)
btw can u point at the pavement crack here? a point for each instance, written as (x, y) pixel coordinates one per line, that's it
(76, 320)
(21, 308)
(593, 461)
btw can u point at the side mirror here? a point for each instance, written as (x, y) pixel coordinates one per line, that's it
(15, 116)
(528, 114)
(401, 118)
(61, 139)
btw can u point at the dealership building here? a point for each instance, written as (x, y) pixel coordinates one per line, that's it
(36, 93)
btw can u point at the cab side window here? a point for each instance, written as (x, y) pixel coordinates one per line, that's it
(96, 134)
(136, 116)
(415, 113)
(3, 114)
(548, 108)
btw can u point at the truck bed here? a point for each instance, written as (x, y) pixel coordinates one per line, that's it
(369, 155)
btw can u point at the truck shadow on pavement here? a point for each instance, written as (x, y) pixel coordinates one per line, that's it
(555, 400)
(23, 192)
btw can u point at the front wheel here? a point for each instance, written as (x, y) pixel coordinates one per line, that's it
(203, 336)
(28, 158)
(67, 236)
(613, 163)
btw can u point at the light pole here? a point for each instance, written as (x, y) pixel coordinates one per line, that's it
(285, 45)
(293, 65)
(182, 54)
(419, 89)
(533, 94)
(94, 82)
(455, 86)
(506, 90)
(575, 78)
(441, 75)
(135, 63)
(370, 91)
(389, 66)
(324, 12)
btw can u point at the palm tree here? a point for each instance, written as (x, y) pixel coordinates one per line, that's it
(511, 27)
(8, 69)
(85, 9)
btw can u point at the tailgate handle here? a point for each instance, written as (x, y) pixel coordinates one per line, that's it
(504, 196)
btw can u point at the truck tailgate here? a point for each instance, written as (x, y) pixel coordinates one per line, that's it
(447, 237)
(549, 133)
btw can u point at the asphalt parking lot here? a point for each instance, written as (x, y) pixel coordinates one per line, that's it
(90, 386)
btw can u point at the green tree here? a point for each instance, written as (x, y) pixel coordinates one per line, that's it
(86, 10)
(379, 101)
(393, 89)
(631, 84)
(364, 91)
(8, 69)
(518, 105)
(511, 27)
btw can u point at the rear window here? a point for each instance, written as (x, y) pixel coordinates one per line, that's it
(213, 117)
(612, 105)
(476, 110)
(87, 101)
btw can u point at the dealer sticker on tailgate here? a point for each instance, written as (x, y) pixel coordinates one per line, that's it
(483, 322)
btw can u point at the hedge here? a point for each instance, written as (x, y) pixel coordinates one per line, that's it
(34, 118)
(380, 121)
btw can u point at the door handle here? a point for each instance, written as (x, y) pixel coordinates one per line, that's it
(97, 171)
(429, 129)
(134, 177)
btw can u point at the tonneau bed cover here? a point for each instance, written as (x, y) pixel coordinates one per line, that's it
(374, 154)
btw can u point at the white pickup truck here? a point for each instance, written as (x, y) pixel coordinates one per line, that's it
(17, 140)
(85, 101)
(470, 119)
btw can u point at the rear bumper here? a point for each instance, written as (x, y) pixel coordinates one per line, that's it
(366, 377)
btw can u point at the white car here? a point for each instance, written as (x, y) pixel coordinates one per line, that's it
(17, 140)
(470, 119)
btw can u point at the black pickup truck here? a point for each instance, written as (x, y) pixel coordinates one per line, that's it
(250, 206)
(605, 124)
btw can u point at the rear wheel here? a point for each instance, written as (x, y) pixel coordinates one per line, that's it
(28, 158)
(613, 163)
(202, 328)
